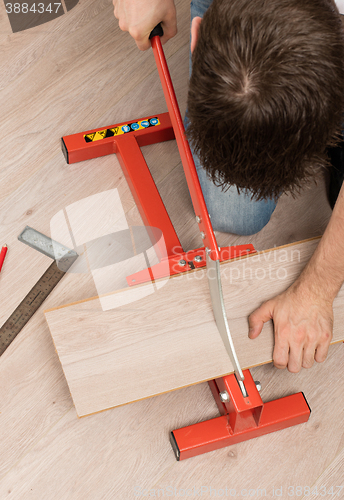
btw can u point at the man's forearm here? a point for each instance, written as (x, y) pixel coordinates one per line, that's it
(324, 274)
(303, 315)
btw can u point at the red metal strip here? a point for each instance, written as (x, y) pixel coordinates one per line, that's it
(184, 150)
(146, 194)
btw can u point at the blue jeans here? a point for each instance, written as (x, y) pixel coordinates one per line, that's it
(230, 212)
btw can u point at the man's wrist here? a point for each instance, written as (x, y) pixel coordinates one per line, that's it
(317, 280)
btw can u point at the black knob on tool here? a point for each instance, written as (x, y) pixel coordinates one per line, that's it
(157, 31)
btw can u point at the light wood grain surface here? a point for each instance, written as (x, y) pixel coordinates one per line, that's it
(73, 74)
(168, 339)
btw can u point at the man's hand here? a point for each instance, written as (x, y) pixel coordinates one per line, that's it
(303, 323)
(303, 315)
(140, 17)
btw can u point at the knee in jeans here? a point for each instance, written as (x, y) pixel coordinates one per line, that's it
(254, 226)
(241, 225)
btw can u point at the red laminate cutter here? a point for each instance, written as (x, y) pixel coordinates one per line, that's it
(243, 413)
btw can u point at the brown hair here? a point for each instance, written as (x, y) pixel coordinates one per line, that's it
(266, 93)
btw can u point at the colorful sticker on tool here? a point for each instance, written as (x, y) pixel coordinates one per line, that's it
(123, 129)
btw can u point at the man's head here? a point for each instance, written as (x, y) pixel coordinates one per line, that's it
(266, 93)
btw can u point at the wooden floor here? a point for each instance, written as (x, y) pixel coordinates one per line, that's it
(77, 73)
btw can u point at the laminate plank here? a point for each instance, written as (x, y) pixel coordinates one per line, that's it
(105, 344)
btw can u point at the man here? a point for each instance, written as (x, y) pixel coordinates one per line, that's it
(302, 315)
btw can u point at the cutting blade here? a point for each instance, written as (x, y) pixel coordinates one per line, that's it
(201, 211)
(215, 287)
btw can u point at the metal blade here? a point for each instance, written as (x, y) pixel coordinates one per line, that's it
(214, 281)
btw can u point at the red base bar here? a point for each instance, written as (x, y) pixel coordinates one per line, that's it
(242, 419)
(214, 434)
(79, 147)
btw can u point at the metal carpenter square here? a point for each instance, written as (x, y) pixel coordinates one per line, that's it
(42, 288)
(44, 244)
(29, 305)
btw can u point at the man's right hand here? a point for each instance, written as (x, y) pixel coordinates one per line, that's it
(139, 18)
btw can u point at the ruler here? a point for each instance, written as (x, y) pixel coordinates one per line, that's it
(63, 260)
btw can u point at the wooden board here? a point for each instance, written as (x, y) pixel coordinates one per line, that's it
(164, 337)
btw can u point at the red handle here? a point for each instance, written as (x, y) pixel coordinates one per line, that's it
(188, 163)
